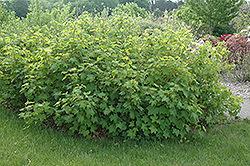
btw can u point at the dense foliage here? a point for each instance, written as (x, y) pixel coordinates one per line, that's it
(131, 10)
(238, 47)
(21, 7)
(106, 76)
(164, 5)
(245, 33)
(242, 21)
(214, 12)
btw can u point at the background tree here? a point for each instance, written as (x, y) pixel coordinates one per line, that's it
(164, 5)
(189, 18)
(158, 13)
(93, 6)
(242, 21)
(3, 14)
(131, 9)
(214, 12)
(21, 7)
(141, 3)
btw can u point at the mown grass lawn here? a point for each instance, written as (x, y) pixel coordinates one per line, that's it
(224, 145)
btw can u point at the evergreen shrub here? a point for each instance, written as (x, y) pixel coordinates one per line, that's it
(101, 76)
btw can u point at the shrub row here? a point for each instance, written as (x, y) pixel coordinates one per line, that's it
(103, 76)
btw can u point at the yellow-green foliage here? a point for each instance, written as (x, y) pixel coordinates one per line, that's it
(130, 9)
(103, 76)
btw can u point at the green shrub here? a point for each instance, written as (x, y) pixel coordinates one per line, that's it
(196, 26)
(158, 13)
(245, 33)
(37, 17)
(168, 20)
(220, 30)
(100, 76)
(130, 9)
(6, 18)
(242, 20)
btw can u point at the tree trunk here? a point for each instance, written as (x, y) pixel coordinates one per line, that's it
(210, 30)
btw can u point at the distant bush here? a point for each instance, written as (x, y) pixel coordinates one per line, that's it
(195, 25)
(101, 76)
(5, 17)
(158, 13)
(238, 47)
(169, 19)
(239, 54)
(210, 39)
(131, 10)
(242, 20)
(245, 33)
(225, 37)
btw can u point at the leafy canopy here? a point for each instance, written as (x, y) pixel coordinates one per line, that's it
(213, 12)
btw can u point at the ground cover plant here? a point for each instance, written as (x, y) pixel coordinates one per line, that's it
(103, 76)
(226, 144)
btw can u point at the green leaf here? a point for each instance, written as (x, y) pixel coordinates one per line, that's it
(121, 125)
(153, 129)
(42, 97)
(82, 104)
(107, 111)
(144, 126)
(132, 114)
(114, 117)
(176, 132)
(90, 112)
(152, 110)
(112, 128)
(173, 111)
(195, 116)
(84, 132)
(90, 77)
(131, 133)
(166, 134)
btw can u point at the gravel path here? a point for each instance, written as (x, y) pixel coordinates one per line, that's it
(239, 88)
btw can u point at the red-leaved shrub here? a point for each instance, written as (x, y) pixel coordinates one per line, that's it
(225, 37)
(238, 47)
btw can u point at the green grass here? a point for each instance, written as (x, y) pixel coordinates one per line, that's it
(224, 145)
